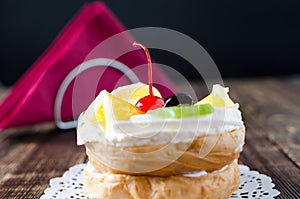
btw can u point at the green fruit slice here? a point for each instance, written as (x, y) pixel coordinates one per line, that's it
(182, 111)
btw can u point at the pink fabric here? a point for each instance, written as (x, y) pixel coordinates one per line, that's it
(31, 100)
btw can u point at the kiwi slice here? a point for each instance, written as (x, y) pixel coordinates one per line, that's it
(182, 111)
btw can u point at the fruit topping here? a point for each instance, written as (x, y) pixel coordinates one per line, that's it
(133, 92)
(149, 102)
(178, 99)
(182, 111)
(218, 97)
(112, 108)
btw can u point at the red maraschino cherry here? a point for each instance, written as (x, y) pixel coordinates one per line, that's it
(149, 102)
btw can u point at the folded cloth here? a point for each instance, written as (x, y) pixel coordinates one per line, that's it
(32, 98)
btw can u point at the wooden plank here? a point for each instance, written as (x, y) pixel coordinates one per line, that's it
(264, 156)
(268, 146)
(292, 81)
(275, 107)
(32, 158)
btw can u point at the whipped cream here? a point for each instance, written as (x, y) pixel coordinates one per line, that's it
(146, 129)
(92, 169)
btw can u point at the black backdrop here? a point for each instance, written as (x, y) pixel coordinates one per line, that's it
(245, 38)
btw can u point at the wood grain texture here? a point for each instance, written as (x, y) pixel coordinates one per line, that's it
(30, 156)
(271, 110)
(273, 106)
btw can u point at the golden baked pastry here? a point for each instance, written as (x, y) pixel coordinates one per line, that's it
(216, 185)
(185, 158)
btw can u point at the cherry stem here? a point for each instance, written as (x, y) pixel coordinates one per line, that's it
(149, 65)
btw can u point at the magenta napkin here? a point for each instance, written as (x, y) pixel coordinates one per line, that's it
(32, 98)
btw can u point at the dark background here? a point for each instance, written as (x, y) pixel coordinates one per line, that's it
(245, 38)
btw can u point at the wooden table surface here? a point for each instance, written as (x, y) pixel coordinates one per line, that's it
(30, 156)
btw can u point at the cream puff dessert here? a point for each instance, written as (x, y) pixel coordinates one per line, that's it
(142, 146)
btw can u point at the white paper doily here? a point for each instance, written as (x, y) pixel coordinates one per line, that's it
(71, 185)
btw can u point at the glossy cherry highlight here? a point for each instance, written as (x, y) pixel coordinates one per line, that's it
(149, 102)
